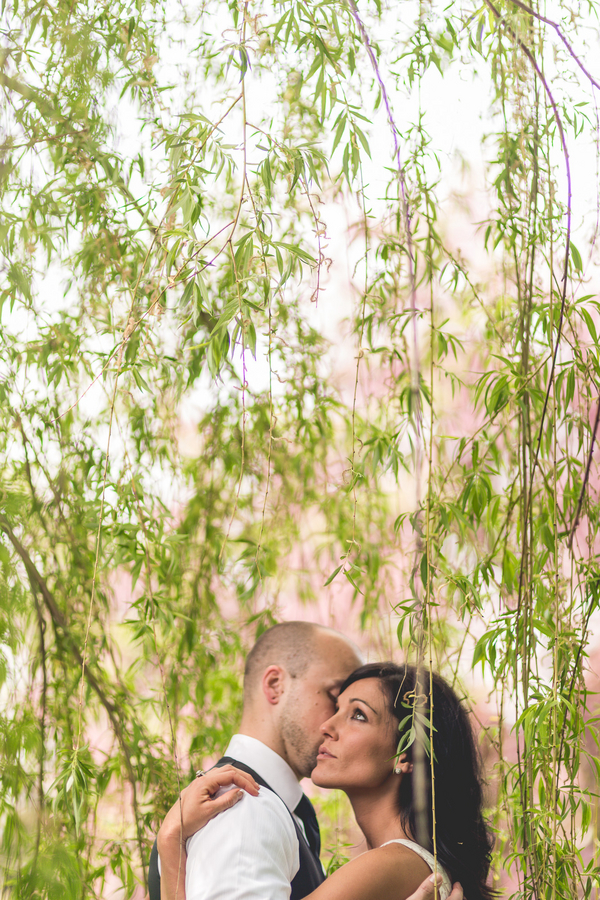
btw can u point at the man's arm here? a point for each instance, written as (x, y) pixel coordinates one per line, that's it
(249, 853)
(197, 805)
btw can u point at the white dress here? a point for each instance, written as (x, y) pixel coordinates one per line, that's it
(446, 886)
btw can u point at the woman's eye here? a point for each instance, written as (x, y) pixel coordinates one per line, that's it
(359, 714)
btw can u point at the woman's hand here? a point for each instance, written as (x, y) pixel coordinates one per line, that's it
(426, 891)
(196, 806)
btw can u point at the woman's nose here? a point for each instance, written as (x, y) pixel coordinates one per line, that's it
(328, 727)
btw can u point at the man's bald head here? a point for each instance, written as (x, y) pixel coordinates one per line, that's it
(293, 676)
(292, 645)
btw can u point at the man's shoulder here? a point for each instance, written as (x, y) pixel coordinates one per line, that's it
(265, 813)
(267, 802)
(249, 852)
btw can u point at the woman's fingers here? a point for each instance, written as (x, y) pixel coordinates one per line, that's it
(226, 775)
(225, 801)
(426, 891)
(202, 789)
(198, 804)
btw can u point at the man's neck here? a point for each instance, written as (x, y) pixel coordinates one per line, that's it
(251, 750)
(263, 732)
(267, 736)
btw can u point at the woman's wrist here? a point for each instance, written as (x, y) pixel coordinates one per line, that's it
(170, 836)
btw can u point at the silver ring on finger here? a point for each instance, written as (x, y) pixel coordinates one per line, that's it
(200, 773)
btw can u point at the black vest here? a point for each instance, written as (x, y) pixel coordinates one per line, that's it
(308, 877)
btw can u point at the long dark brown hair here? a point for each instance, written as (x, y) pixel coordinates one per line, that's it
(463, 841)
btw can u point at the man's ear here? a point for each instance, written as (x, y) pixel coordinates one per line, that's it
(273, 684)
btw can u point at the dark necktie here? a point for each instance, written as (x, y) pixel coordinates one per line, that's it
(306, 812)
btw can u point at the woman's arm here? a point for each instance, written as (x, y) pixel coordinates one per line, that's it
(388, 873)
(392, 872)
(196, 806)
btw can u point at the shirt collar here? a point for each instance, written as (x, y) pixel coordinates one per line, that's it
(269, 765)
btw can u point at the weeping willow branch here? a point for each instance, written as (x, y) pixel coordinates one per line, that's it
(586, 477)
(412, 275)
(38, 582)
(557, 28)
(482, 531)
(44, 699)
(563, 141)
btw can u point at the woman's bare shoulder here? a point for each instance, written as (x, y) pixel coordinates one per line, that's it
(403, 861)
(392, 872)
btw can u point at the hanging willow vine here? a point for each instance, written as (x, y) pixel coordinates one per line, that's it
(166, 176)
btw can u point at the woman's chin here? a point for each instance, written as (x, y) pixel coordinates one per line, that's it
(322, 781)
(321, 777)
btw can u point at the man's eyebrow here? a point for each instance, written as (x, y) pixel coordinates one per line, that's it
(360, 700)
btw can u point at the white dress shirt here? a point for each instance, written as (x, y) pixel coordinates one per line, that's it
(249, 852)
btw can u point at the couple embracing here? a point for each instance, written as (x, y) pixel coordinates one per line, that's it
(245, 830)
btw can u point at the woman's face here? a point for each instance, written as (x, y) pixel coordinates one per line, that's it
(358, 740)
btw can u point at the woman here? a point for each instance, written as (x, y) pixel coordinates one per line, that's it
(378, 708)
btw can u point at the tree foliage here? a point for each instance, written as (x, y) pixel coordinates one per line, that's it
(166, 171)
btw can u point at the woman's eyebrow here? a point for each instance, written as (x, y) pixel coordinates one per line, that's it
(360, 700)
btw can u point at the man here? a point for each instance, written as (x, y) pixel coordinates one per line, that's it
(291, 681)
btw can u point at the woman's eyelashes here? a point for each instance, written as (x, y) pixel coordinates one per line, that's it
(358, 714)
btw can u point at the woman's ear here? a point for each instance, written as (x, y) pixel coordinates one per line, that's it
(403, 766)
(273, 684)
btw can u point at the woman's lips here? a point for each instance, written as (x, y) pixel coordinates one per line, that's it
(325, 754)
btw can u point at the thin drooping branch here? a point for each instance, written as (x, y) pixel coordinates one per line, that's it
(407, 222)
(99, 538)
(563, 300)
(586, 477)
(131, 324)
(237, 281)
(359, 356)
(272, 420)
(44, 700)
(419, 749)
(38, 583)
(557, 28)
